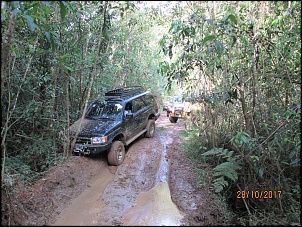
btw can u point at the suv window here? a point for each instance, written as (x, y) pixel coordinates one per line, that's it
(178, 99)
(138, 104)
(149, 99)
(128, 106)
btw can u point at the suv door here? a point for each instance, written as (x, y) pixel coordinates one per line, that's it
(130, 124)
(140, 113)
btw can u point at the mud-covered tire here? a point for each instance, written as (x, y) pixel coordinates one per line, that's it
(173, 119)
(150, 129)
(116, 153)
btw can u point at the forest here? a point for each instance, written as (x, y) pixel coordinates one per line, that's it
(240, 61)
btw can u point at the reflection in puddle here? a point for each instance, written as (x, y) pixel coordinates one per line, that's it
(154, 207)
(162, 171)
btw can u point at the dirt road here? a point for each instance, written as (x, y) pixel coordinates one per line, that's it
(155, 185)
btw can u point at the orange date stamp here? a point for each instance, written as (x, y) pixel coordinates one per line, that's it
(259, 194)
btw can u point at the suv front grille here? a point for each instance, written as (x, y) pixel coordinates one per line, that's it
(82, 140)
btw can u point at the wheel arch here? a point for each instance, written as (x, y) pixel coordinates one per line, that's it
(120, 137)
(151, 116)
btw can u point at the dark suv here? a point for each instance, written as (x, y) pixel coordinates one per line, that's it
(113, 123)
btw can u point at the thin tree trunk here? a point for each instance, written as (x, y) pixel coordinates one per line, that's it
(66, 143)
(5, 49)
(243, 105)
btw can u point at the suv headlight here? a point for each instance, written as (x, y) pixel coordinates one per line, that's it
(98, 140)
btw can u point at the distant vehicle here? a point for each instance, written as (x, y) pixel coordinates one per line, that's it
(111, 124)
(169, 104)
(165, 106)
(178, 107)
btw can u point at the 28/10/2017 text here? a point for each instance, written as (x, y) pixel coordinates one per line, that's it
(259, 194)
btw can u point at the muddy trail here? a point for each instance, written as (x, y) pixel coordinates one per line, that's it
(155, 185)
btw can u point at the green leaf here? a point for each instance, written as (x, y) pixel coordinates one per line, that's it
(15, 11)
(65, 56)
(232, 18)
(47, 34)
(213, 151)
(227, 169)
(53, 44)
(3, 18)
(219, 184)
(275, 22)
(9, 181)
(69, 68)
(210, 21)
(31, 24)
(15, 50)
(162, 41)
(245, 40)
(208, 38)
(46, 10)
(63, 10)
(73, 79)
(31, 39)
(175, 26)
(56, 38)
(219, 48)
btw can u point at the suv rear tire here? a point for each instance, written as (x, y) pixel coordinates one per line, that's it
(116, 153)
(150, 129)
(173, 119)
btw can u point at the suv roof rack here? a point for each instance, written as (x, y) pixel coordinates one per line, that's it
(123, 93)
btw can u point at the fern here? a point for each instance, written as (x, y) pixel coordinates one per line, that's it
(225, 153)
(213, 151)
(219, 184)
(227, 169)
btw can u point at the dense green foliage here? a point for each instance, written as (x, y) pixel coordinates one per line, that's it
(240, 61)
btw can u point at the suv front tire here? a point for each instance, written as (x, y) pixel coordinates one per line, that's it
(116, 153)
(173, 119)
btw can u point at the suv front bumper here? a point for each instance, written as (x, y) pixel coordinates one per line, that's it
(90, 149)
(178, 114)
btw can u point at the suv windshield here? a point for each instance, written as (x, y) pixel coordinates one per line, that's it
(178, 99)
(107, 110)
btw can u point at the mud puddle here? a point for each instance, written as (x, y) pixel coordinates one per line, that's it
(84, 209)
(154, 208)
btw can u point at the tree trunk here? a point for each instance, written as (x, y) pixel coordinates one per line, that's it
(243, 106)
(5, 49)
